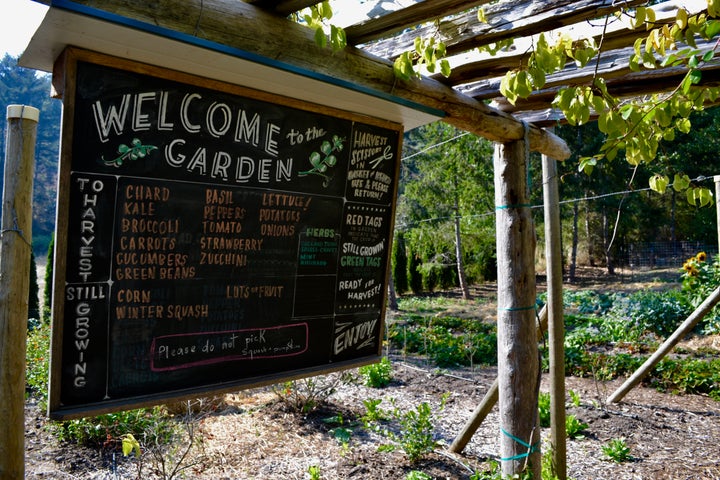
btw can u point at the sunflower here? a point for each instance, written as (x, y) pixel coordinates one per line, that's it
(688, 266)
(701, 257)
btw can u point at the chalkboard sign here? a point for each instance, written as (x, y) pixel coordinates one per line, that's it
(210, 237)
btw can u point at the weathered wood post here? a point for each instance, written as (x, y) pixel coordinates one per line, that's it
(15, 247)
(518, 365)
(488, 401)
(556, 326)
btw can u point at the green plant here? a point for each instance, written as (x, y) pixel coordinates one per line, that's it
(544, 409)
(699, 278)
(37, 358)
(415, 433)
(617, 450)
(154, 426)
(377, 375)
(314, 472)
(574, 398)
(304, 395)
(574, 427)
(418, 475)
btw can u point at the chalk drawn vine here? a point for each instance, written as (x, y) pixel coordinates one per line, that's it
(324, 159)
(133, 152)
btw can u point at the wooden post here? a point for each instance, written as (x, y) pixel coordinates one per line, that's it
(488, 401)
(556, 326)
(518, 363)
(15, 247)
(667, 345)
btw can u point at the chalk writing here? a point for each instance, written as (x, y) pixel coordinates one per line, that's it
(175, 352)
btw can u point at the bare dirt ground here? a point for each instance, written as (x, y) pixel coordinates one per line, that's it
(251, 435)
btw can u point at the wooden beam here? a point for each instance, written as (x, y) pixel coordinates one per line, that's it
(506, 20)
(419, 13)
(282, 7)
(246, 27)
(617, 35)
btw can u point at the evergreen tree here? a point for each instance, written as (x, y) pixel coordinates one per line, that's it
(400, 264)
(34, 290)
(48, 290)
(22, 86)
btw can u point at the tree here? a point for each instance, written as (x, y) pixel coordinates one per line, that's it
(25, 87)
(444, 186)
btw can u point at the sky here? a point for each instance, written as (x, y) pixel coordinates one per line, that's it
(18, 21)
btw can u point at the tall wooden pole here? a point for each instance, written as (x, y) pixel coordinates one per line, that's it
(488, 401)
(556, 326)
(15, 247)
(518, 364)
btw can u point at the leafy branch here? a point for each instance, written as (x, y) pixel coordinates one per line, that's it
(428, 52)
(317, 17)
(636, 126)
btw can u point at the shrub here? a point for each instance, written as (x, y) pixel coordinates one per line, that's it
(37, 358)
(306, 394)
(154, 425)
(656, 312)
(400, 264)
(377, 375)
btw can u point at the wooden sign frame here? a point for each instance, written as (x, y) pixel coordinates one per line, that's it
(211, 237)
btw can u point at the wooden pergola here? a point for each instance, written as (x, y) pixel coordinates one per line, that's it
(468, 99)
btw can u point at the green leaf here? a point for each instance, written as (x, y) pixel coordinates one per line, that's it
(680, 182)
(659, 183)
(705, 196)
(320, 38)
(586, 164)
(445, 68)
(712, 28)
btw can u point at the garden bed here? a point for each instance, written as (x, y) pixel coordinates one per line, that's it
(265, 433)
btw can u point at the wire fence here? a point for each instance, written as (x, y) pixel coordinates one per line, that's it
(662, 254)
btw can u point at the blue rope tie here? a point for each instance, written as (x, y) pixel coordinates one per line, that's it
(518, 309)
(517, 205)
(531, 448)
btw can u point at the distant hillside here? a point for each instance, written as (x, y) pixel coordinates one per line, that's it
(26, 87)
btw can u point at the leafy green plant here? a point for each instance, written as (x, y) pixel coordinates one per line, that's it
(617, 450)
(417, 475)
(316, 17)
(574, 398)
(544, 409)
(314, 472)
(415, 431)
(699, 278)
(574, 427)
(428, 52)
(688, 376)
(373, 413)
(152, 425)
(377, 375)
(37, 358)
